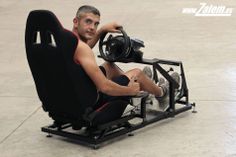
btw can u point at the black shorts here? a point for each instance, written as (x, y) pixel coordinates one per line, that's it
(104, 98)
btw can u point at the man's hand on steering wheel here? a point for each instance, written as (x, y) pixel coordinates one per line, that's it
(111, 28)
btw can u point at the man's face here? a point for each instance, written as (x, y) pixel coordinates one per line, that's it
(87, 25)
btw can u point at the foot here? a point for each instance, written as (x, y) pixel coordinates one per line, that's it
(148, 72)
(164, 100)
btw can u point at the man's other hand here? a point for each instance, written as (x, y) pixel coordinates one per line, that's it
(135, 86)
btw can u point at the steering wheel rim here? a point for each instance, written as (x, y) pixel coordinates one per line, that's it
(107, 55)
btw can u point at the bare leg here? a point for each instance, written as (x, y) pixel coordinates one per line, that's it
(112, 70)
(146, 83)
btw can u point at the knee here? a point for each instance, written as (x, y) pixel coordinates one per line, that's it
(138, 72)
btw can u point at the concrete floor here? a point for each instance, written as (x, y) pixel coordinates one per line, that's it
(206, 46)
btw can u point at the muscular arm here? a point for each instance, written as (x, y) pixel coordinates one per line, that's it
(85, 57)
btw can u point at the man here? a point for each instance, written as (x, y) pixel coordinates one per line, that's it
(128, 83)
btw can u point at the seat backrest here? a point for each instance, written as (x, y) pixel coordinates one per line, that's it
(63, 87)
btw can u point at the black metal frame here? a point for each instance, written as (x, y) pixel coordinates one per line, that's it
(94, 137)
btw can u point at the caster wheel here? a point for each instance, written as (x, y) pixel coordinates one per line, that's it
(95, 147)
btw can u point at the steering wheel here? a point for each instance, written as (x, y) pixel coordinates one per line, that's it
(114, 48)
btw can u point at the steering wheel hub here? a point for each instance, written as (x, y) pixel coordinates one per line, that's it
(114, 48)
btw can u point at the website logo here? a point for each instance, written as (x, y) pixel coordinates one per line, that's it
(209, 10)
